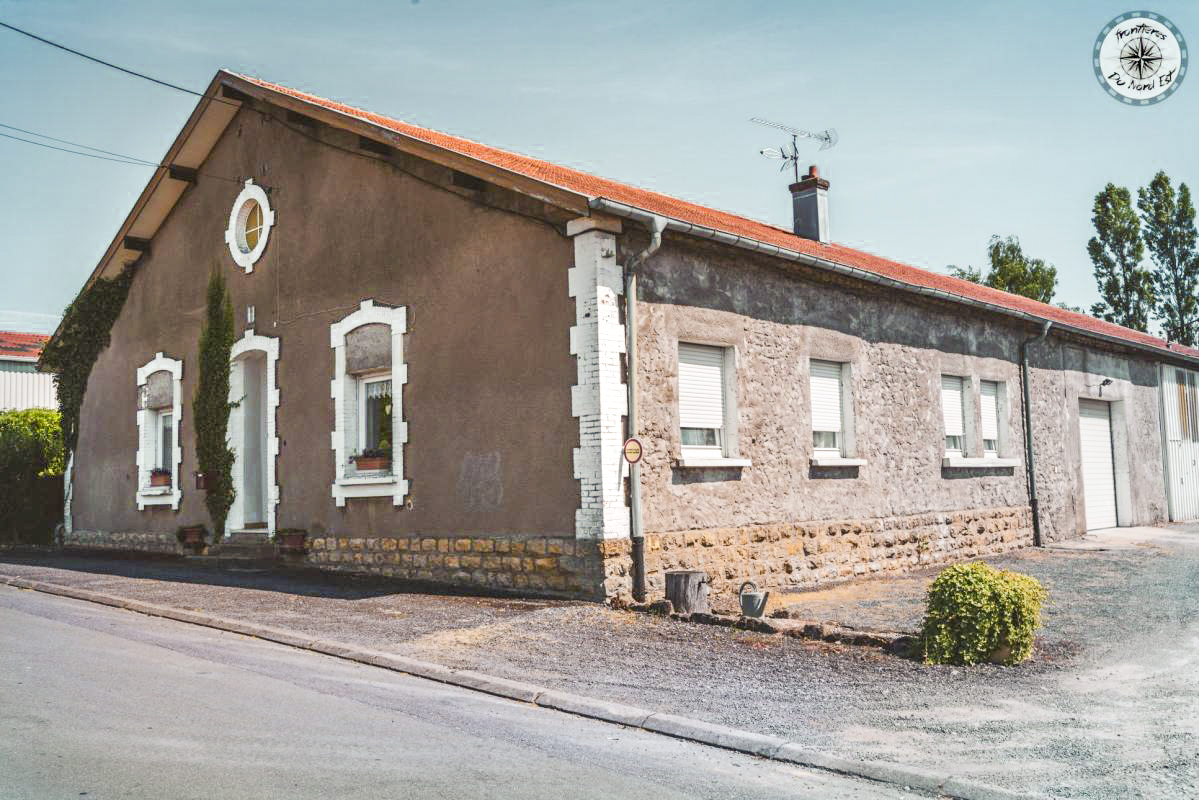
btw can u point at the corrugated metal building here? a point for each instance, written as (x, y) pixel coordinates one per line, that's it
(21, 385)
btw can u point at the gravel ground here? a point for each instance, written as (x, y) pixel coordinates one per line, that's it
(1107, 708)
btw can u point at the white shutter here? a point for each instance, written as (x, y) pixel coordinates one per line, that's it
(951, 405)
(826, 396)
(701, 386)
(1098, 468)
(989, 401)
(147, 421)
(349, 417)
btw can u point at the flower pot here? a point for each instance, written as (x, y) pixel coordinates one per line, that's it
(160, 479)
(192, 538)
(372, 463)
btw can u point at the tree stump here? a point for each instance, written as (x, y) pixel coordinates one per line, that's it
(687, 590)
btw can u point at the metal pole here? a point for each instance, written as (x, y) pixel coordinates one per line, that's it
(1028, 449)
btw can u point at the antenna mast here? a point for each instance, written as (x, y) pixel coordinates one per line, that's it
(789, 154)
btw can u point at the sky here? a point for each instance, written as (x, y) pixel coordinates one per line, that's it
(957, 120)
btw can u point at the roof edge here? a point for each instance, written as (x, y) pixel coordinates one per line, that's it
(627, 211)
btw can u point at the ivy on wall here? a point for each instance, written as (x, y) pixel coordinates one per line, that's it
(84, 333)
(211, 406)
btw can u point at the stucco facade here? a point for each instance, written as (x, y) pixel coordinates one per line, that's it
(488, 397)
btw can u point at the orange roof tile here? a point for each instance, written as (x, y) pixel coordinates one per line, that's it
(593, 186)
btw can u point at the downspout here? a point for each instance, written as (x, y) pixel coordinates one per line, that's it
(656, 226)
(1029, 461)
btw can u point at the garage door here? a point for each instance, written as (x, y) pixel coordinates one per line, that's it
(1098, 467)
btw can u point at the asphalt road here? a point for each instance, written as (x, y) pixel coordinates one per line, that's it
(100, 703)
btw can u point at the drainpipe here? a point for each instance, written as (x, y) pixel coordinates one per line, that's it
(1029, 462)
(656, 226)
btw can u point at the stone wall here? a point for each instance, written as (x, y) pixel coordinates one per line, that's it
(777, 317)
(559, 566)
(133, 542)
(800, 555)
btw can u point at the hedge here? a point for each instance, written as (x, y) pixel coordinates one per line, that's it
(31, 466)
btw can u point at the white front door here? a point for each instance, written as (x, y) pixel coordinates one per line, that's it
(1098, 465)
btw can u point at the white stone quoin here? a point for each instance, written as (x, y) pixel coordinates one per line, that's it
(269, 347)
(599, 398)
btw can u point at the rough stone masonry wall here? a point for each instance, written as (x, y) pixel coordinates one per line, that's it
(559, 566)
(800, 555)
(130, 542)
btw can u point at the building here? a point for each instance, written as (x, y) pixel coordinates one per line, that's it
(21, 385)
(438, 360)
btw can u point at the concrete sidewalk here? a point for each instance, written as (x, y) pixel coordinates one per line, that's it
(1064, 724)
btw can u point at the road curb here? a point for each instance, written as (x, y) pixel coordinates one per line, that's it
(756, 744)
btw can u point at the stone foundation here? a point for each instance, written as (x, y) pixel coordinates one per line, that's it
(162, 542)
(557, 566)
(801, 555)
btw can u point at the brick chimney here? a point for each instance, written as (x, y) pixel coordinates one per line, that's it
(809, 206)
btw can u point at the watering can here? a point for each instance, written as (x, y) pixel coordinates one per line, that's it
(753, 602)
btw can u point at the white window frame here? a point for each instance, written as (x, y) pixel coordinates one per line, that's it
(971, 432)
(843, 455)
(235, 232)
(725, 453)
(147, 459)
(344, 389)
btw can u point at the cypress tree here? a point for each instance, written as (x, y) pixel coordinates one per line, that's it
(1169, 225)
(211, 406)
(1116, 251)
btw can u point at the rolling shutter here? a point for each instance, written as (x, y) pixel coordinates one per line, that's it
(701, 386)
(1098, 468)
(826, 396)
(989, 402)
(951, 405)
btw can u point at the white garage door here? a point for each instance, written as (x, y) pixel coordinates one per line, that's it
(1098, 468)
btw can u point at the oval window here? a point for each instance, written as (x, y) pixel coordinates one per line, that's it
(249, 225)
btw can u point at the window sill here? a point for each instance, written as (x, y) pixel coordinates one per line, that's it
(837, 461)
(717, 462)
(155, 491)
(958, 462)
(372, 480)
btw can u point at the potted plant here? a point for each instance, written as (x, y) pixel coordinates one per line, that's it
(373, 459)
(192, 537)
(160, 477)
(292, 540)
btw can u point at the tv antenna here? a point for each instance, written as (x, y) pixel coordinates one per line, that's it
(789, 153)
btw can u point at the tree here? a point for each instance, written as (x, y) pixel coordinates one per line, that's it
(1116, 252)
(210, 407)
(1169, 225)
(1012, 271)
(971, 274)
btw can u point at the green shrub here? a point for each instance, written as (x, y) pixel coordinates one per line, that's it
(975, 611)
(31, 466)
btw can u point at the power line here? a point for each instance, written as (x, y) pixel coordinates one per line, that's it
(119, 159)
(110, 65)
(122, 160)
(76, 144)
